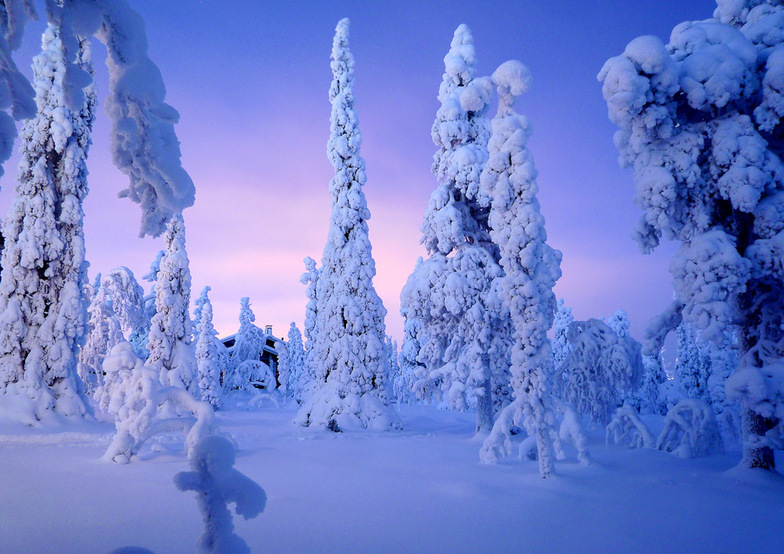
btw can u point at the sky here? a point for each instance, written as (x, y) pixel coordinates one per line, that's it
(250, 81)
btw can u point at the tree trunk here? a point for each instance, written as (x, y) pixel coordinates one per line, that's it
(484, 410)
(754, 428)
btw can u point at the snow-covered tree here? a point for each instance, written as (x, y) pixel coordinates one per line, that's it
(462, 326)
(393, 366)
(691, 366)
(216, 484)
(104, 332)
(291, 361)
(307, 381)
(43, 311)
(140, 337)
(211, 355)
(409, 366)
(171, 351)
(619, 323)
(561, 346)
(127, 298)
(248, 346)
(700, 122)
(197, 311)
(600, 372)
(350, 362)
(531, 266)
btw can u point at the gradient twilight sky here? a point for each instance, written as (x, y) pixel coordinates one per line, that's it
(250, 80)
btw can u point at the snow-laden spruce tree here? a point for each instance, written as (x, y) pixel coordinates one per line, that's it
(171, 351)
(141, 337)
(43, 311)
(127, 298)
(462, 326)
(691, 365)
(197, 311)
(211, 355)
(104, 332)
(248, 346)
(350, 365)
(307, 381)
(531, 266)
(409, 365)
(393, 366)
(700, 122)
(291, 361)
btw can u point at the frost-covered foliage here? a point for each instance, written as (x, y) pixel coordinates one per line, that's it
(619, 323)
(127, 298)
(348, 351)
(249, 376)
(291, 362)
(627, 428)
(700, 122)
(140, 338)
(171, 351)
(690, 430)
(211, 356)
(531, 266)
(136, 401)
(560, 343)
(393, 367)
(217, 484)
(600, 372)
(248, 346)
(104, 332)
(43, 310)
(459, 337)
(646, 398)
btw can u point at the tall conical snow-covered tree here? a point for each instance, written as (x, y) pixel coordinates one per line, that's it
(43, 312)
(248, 346)
(210, 355)
(700, 122)
(171, 351)
(105, 331)
(350, 361)
(197, 311)
(531, 266)
(462, 329)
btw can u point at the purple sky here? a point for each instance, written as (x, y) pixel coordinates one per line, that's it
(250, 80)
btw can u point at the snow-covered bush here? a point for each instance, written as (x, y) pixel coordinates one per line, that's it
(136, 401)
(627, 428)
(347, 357)
(217, 484)
(600, 372)
(690, 430)
(700, 122)
(249, 375)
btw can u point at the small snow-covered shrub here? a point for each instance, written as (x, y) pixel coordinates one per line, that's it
(136, 401)
(216, 484)
(690, 430)
(572, 430)
(627, 428)
(250, 373)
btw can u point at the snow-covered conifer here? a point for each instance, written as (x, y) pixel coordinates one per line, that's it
(291, 356)
(691, 365)
(619, 323)
(393, 366)
(561, 346)
(211, 355)
(409, 366)
(531, 266)
(307, 380)
(700, 122)
(42, 301)
(350, 362)
(104, 332)
(197, 310)
(600, 372)
(127, 298)
(171, 351)
(140, 337)
(462, 327)
(248, 347)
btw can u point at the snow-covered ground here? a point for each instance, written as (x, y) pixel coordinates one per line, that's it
(419, 490)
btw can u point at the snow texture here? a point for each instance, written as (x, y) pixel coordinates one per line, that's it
(700, 123)
(347, 354)
(531, 266)
(216, 484)
(43, 309)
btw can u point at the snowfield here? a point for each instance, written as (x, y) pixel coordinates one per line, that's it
(419, 490)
